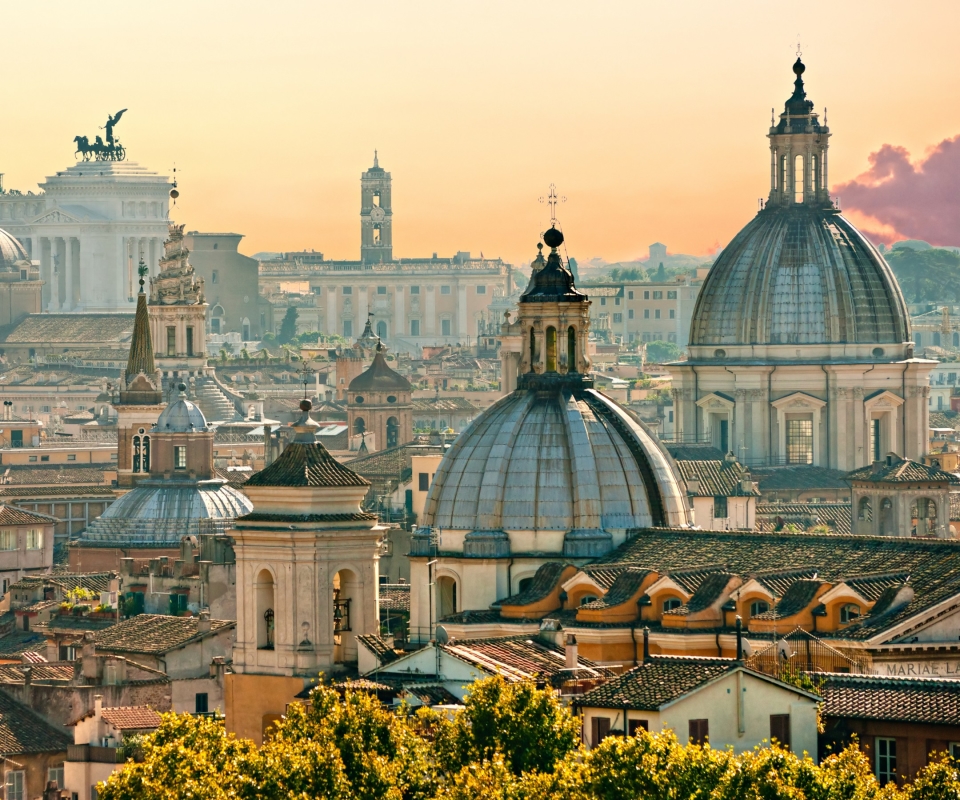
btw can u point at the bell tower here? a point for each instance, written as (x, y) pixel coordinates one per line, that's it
(376, 215)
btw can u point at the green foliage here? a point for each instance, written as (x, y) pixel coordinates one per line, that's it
(288, 328)
(926, 275)
(572, 263)
(509, 742)
(659, 352)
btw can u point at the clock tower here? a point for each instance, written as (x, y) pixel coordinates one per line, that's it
(376, 215)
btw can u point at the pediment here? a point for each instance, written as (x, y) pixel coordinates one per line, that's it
(882, 399)
(799, 400)
(55, 216)
(716, 400)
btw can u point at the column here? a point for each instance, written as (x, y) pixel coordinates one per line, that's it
(57, 259)
(121, 290)
(45, 271)
(333, 323)
(154, 261)
(430, 315)
(72, 256)
(462, 329)
(400, 325)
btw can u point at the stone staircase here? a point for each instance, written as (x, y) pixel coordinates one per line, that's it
(214, 404)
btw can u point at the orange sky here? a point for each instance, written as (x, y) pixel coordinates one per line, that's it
(649, 116)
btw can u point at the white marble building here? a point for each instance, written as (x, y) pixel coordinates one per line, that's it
(88, 228)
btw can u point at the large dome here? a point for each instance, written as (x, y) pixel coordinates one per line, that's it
(12, 252)
(575, 463)
(799, 275)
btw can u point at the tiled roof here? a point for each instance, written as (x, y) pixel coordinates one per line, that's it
(694, 452)
(604, 577)
(155, 633)
(801, 478)
(378, 647)
(924, 700)
(706, 594)
(544, 581)
(779, 580)
(443, 404)
(27, 492)
(132, 718)
(141, 344)
(933, 565)
(15, 643)
(901, 470)
(394, 596)
(13, 515)
(837, 516)
(306, 464)
(432, 694)
(692, 577)
(392, 462)
(94, 581)
(871, 587)
(944, 419)
(54, 474)
(58, 671)
(23, 732)
(517, 657)
(719, 478)
(71, 328)
(379, 377)
(653, 683)
(358, 516)
(798, 596)
(626, 585)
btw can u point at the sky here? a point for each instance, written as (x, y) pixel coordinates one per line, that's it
(650, 117)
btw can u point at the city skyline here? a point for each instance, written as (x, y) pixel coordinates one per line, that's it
(647, 138)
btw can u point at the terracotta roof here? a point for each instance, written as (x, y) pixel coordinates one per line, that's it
(432, 694)
(517, 657)
(155, 633)
(306, 464)
(716, 478)
(933, 564)
(706, 594)
(23, 732)
(443, 404)
(395, 596)
(132, 718)
(16, 643)
(837, 516)
(622, 589)
(694, 452)
(58, 671)
(253, 516)
(544, 581)
(392, 462)
(802, 478)
(13, 515)
(901, 470)
(71, 328)
(60, 490)
(604, 577)
(379, 377)
(378, 647)
(798, 596)
(924, 700)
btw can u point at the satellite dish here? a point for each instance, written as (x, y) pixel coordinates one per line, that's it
(784, 649)
(746, 647)
(442, 636)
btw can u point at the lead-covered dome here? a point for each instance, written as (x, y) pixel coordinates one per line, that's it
(12, 253)
(569, 463)
(799, 275)
(181, 416)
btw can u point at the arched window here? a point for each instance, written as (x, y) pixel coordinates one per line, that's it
(759, 607)
(524, 584)
(446, 596)
(864, 512)
(671, 603)
(141, 451)
(382, 329)
(393, 432)
(849, 613)
(798, 179)
(551, 349)
(572, 349)
(588, 598)
(245, 329)
(359, 426)
(265, 615)
(533, 350)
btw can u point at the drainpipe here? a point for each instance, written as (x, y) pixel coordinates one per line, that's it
(826, 380)
(696, 396)
(903, 416)
(646, 645)
(739, 638)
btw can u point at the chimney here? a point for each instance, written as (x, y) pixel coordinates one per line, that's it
(570, 651)
(693, 485)
(646, 643)
(97, 705)
(739, 638)
(203, 623)
(89, 656)
(27, 698)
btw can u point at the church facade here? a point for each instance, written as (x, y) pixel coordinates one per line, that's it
(800, 345)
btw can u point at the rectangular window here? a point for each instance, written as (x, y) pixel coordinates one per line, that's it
(672, 295)
(634, 725)
(215, 276)
(780, 729)
(630, 295)
(886, 753)
(656, 313)
(202, 703)
(8, 540)
(953, 748)
(646, 313)
(316, 289)
(699, 731)
(381, 290)
(600, 729)
(16, 438)
(673, 313)
(603, 301)
(646, 295)
(719, 507)
(616, 301)
(34, 539)
(424, 481)
(618, 317)
(630, 314)
(414, 327)
(444, 327)
(171, 341)
(190, 341)
(444, 290)
(414, 290)
(180, 457)
(44, 458)
(16, 785)
(658, 295)
(799, 441)
(55, 774)
(346, 290)
(481, 290)
(348, 329)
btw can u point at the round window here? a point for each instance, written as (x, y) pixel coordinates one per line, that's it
(719, 353)
(141, 431)
(877, 352)
(358, 398)
(391, 398)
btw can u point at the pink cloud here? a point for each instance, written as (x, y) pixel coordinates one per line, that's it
(909, 200)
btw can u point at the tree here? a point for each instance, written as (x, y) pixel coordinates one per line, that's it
(572, 263)
(926, 275)
(659, 352)
(288, 328)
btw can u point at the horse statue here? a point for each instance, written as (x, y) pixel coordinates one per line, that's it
(112, 150)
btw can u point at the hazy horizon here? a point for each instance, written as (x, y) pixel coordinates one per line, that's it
(651, 120)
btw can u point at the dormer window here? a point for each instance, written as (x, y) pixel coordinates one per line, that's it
(849, 613)
(758, 607)
(671, 603)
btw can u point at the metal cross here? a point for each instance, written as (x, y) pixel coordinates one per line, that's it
(798, 46)
(305, 372)
(551, 200)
